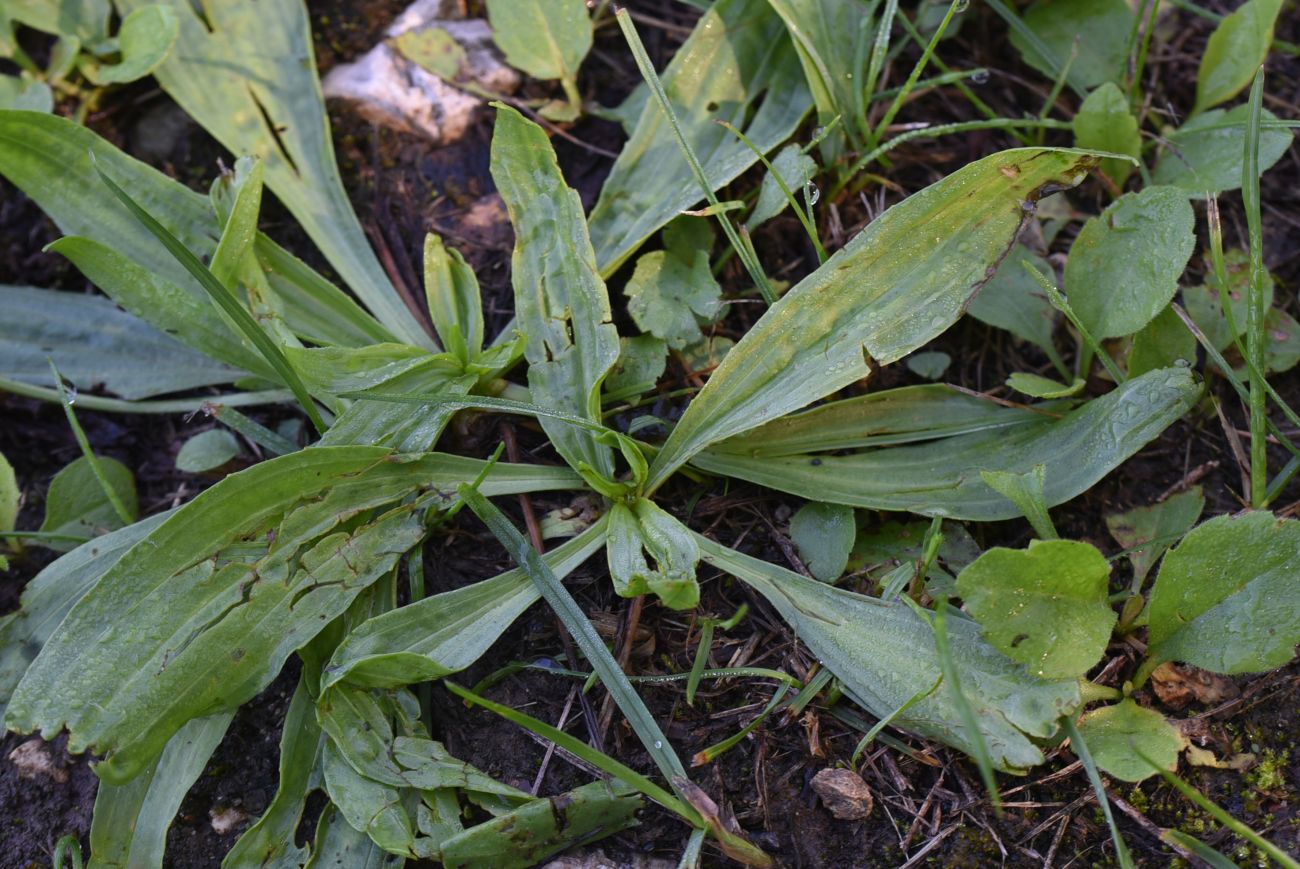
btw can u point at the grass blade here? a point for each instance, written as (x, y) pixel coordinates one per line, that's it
(1257, 307)
(224, 299)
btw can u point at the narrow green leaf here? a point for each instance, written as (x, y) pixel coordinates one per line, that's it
(9, 495)
(942, 477)
(455, 304)
(229, 305)
(902, 281)
(96, 344)
(882, 652)
(247, 74)
(763, 94)
(1120, 736)
(51, 594)
(131, 820)
(270, 841)
(1225, 597)
(832, 39)
(447, 632)
(1125, 266)
(48, 158)
(560, 298)
(1037, 386)
(1045, 606)
(1236, 49)
(1026, 491)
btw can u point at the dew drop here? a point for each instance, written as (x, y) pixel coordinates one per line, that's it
(659, 743)
(961, 6)
(813, 192)
(979, 76)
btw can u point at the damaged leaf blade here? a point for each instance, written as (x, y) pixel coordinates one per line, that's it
(907, 277)
(203, 614)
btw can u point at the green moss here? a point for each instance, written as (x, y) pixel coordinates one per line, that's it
(1269, 774)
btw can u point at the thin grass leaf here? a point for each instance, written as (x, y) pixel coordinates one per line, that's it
(225, 301)
(109, 490)
(602, 662)
(1080, 750)
(1257, 308)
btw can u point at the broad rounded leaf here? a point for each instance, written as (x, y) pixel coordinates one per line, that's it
(903, 280)
(1101, 28)
(1045, 607)
(1235, 50)
(1115, 735)
(1125, 265)
(1014, 301)
(1204, 155)
(824, 534)
(1227, 598)
(671, 296)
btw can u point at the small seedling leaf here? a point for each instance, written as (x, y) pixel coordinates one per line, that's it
(931, 365)
(1125, 265)
(796, 169)
(25, 94)
(145, 39)
(1162, 343)
(1105, 123)
(1045, 606)
(1118, 735)
(1155, 528)
(545, 38)
(207, 451)
(1037, 386)
(1235, 50)
(641, 362)
(1226, 597)
(824, 535)
(670, 297)
(77, 504)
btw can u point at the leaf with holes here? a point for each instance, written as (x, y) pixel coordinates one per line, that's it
(1044, 606)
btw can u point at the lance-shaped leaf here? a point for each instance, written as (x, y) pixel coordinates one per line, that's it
(96, 345)
(1236, 49)
(560, 299)
(884, 653)
(1148, 531)
(248, 75)
(131, 820)
(895, 416)
(270, 841)
(1226, 598)
(903, 280)
(832, 38)
(942, 477)
(49, 159)
(202, 615)
(455, 303)
(447, 632)
(50, 596)
(738, 66)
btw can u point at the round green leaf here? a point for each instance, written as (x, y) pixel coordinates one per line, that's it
(824, 535)
(1227, 598)
(1235, 50)
(1125, 265)
(1119, 736)
(207, 450)
(1045, 606)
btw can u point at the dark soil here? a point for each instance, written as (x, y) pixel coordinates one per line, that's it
(930, 805)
